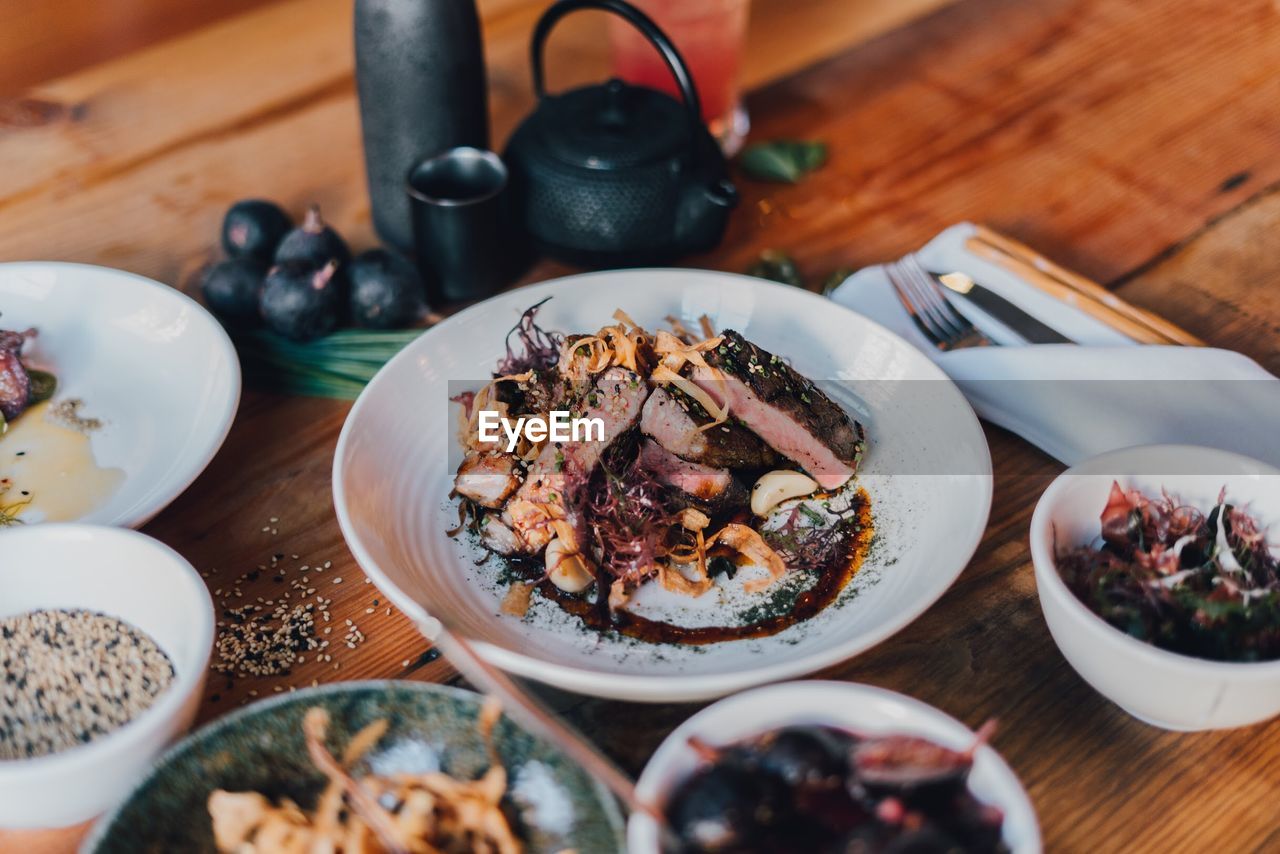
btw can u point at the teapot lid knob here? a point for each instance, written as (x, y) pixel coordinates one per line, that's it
(613, 109)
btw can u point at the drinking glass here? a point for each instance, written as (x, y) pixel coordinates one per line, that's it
(462, 231)
(710, 35)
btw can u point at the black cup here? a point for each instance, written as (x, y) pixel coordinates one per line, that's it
(465, 246)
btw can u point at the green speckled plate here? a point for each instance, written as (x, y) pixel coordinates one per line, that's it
(432, 727)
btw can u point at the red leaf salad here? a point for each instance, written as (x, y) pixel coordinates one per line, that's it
(1197, 581)
(710, 455)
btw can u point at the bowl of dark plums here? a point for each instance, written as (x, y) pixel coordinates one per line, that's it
(829, 768)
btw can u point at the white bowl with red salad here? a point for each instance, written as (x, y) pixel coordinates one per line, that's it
(1164, 609)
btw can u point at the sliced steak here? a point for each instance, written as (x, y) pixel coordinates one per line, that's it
(672, 420)
(536, 395)
(487, 479)
(617, 399)
(708, 485)
(791, 414)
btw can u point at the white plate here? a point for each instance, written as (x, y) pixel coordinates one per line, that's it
(150, 362)
(928, 472)
(860, 708)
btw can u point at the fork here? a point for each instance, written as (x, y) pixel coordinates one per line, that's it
(933, 314)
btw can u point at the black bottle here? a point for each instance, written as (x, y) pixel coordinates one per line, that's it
(421, 80)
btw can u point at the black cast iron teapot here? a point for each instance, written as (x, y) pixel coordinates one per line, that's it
(613, 174)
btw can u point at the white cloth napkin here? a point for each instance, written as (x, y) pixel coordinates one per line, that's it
(1103, 393)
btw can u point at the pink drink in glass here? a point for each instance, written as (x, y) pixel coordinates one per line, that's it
(709, 35)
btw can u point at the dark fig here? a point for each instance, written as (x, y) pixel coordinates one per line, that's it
(301, 301)
(909, 766)
(313, 243)
(253, 228)
(386, 290)
(925, 840)
(232, 289)
(724, 808)
(804, 756)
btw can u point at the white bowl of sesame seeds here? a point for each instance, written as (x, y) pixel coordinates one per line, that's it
(155, 599)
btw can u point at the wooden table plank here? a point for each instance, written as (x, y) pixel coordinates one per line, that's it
(1224, 281)
(1135, 140)
(1083, 128)
(40, 41)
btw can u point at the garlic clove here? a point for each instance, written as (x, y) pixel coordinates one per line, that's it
(570, 572)
(777, 486)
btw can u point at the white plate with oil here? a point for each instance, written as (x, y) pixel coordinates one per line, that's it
(149, 364)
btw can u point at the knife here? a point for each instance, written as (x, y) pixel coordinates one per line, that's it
(1001, 309)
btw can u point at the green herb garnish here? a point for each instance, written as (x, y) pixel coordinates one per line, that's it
(812, 515)
(782, 160)
(776, 266)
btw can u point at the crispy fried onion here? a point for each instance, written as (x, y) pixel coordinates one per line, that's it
(686, 570)
(486, 399)
(399, 813)
(747, 542)
(618, 344)
(682, 332)
(673, 355)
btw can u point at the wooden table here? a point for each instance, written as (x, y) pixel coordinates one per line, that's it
(1137, 141)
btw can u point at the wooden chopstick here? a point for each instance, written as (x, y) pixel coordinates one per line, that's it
(1139, 324)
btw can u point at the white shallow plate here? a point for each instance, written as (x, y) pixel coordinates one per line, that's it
(150, 362)
(928, 472)
(860, 708)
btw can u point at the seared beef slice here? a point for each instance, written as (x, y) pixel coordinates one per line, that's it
(786, 410)
(673, 420)
(710, 486)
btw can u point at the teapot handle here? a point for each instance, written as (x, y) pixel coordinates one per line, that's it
(647, 28)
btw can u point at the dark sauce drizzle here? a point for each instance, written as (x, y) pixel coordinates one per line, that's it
(831, 580)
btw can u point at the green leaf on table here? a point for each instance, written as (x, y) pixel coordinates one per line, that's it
(835, 279)
(782, 160)
(338, 365)
(776, 266)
